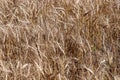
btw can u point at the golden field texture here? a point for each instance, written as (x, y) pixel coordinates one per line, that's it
(59, 39)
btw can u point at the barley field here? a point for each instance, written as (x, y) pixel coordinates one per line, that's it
(59, 39)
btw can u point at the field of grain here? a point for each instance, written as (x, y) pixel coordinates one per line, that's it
(59, 39)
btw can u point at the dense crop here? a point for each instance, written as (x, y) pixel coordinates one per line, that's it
(59, 39)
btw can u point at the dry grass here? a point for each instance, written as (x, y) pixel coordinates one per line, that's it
(59, 40)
